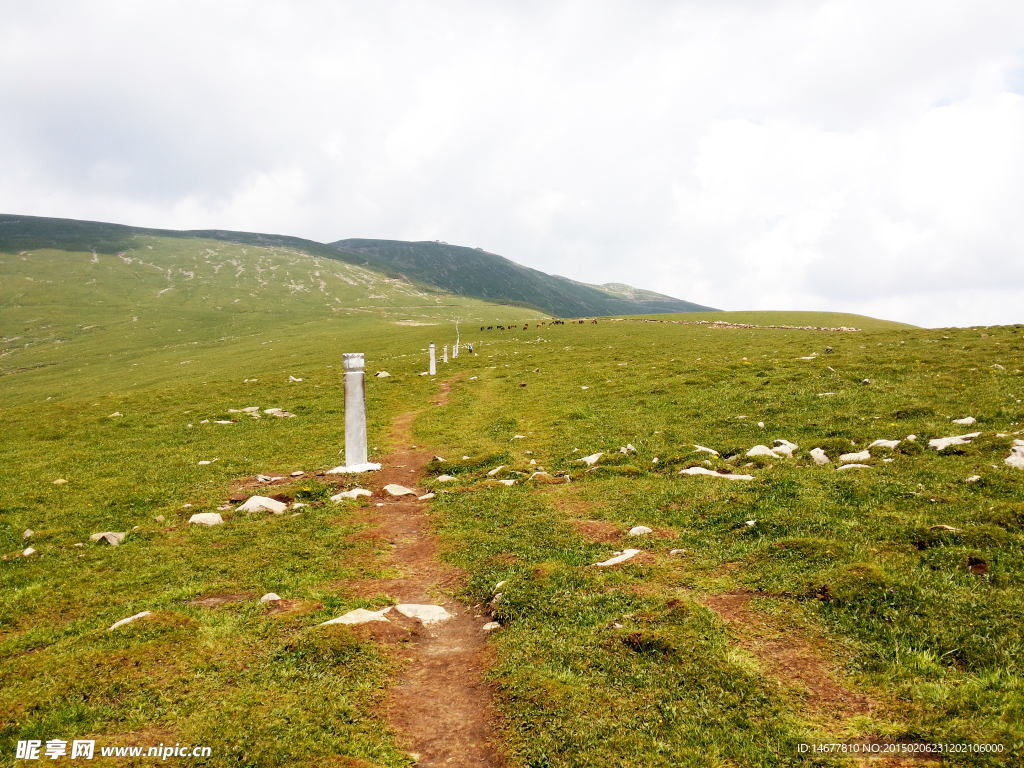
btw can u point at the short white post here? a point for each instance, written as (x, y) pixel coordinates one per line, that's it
(355, 408)
(455, 349)
(433, 362)
(444, 358)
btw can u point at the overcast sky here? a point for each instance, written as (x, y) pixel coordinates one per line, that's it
(848, 155)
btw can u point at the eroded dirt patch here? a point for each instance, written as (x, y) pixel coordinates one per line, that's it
(790, 658)
(215, 601)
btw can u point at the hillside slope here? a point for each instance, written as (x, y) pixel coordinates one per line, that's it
(474, 272)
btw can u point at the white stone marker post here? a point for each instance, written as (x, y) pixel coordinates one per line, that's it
(355, 408)
(433, 362)
(455, 349)
(444, 358)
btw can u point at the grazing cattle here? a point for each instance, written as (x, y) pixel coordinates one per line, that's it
(490, 327)
(593, 322)
(481, 327)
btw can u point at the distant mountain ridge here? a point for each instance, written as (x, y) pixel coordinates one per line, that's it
(480, 274)
(470, 272)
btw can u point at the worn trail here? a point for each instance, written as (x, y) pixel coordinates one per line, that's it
(442, 707)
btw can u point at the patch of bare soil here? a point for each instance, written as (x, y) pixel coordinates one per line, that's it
(442, 707)
(598, 530)
(791, 659)
(214, 601)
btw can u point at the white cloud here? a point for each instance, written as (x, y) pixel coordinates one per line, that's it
(860, 156)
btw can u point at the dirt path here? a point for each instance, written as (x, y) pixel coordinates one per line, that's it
(442, 706)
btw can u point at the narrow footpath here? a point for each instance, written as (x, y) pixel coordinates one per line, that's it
(442, 707)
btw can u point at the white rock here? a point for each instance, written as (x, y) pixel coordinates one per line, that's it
(973, 479)
(760, 424)
(28, 532)
(159, 518)
(297, 505)
(888, 461)
(382, 374)
(584, 387)
(112, 538)
(751, 522)
(676, 551)
(490, 626)
(444, 478)
(700, 448)
(518, 437)
(251, 409)
(60, 481)
(204, 463)
(225, 422)
(630, 448)
(942, 443)
(359, 616)
(292, 378)
(298, 473)
(640, 530)
(762, 450)
(499, 585)
(122, 622)
(206, 518)
(859, 456)
(355, 493)
(966, 421)
(626, 555)
(784, 447)
(591, 460)
(854, 466)
(885, 444)
(819, 457)
(115, 414)
(28, 552)
(260, 503)
(398, 490)
(270, 597)
(427, 496)
(1016, 457)
(428, 614)
(495, 471)
(205, 421)
(911, 438)
(507, 482)
(354, 469)
(706, 471)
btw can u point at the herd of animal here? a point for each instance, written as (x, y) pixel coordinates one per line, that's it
(526, 326)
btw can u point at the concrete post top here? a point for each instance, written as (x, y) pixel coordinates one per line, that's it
(431, 343)
(353, 362)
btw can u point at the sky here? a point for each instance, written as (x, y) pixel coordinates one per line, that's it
(858, 156)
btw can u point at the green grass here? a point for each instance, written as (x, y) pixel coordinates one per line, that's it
(615, 667)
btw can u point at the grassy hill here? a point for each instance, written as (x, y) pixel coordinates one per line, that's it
(475, 272)
(807, 605)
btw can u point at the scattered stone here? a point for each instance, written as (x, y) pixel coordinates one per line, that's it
(533, 462)
(281, 414)
(444, 478)
(28, 532)
(859, 456)
(818, 456)
(112, 538)
(885, 444)
(966, 421)
(942, 443)
(359, 616)
(998, 366)
(438, 458)
(398, 490)
(382, 374)
(60, 481)
(205, 421)
(297, 473)
(784, 447)
(706, 471)
(206, 518)
(499, 585)
(261, 503)
(507, 482)
(760, 424)
(911, 438)
(751, 523)
(619, 558)
(28, 552)
(79, 544)
(584, 387)
(428, 614)
(251, 409)
(677, 551)
(130, 619)
(427, 496)
(591, 460)
(204, 463)
(490, 626)
(268, 478)
(224, 422)
(298, 505)
(292, 378)
(854, 466)
(354, 494)
(655, 460)
(270, 597)
(761, 450)
(115, 414)
(973, 479)
(354, 469)
(700, 448)
(495, 471)
(948, 528)
(1016, 457)
(640, 530)
(866, 381)
(518, 437)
